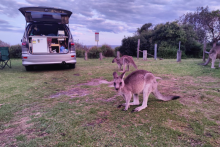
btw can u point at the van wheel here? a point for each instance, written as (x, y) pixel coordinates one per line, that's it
(71, 66)
(29, 68)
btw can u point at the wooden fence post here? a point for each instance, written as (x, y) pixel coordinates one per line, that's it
(179, 53)
(155, 52)
(138, 48)
(118, 54)
(204, 49)
(144, 54)
(100, 56)
(86, 57)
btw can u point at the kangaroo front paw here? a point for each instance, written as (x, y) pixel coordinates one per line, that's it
(124, 110)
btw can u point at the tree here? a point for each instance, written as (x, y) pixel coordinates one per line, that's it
(144, 28)
(206, 23)
(166, 36)
(3, 44)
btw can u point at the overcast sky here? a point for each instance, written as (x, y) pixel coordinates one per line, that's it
(112, 19)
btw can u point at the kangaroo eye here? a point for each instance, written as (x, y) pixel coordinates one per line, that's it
(120, 83)
(114, 83)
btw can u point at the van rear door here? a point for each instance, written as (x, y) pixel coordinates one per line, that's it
(46, 14)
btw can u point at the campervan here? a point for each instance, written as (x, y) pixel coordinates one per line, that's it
(47, 38)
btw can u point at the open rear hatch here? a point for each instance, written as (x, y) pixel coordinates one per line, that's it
(46, 14)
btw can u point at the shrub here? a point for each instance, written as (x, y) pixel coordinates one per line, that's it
(116, 49)
(80, 53)
(170, 53)
(15, 51)
(80, 50)
(194, 50)
(107, 51)
(94, 52)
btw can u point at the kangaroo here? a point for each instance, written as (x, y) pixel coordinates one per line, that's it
(135, 83)
(124, 60)
(213, 54)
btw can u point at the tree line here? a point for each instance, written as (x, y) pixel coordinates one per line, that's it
(192, 29)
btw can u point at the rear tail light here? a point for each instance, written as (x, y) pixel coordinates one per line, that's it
(23, 43)
(72, 44)
(24, 57)
(72, 56)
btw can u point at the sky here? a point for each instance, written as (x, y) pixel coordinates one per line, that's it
(113, 19)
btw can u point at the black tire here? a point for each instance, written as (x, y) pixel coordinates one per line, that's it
(29, 68)
(72, 66)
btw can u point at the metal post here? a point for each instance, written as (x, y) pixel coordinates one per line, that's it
(155, 52)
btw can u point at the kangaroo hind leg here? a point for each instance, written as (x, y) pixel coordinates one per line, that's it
(213, 60)
(146, 92)
(135, 101)
(219, 62)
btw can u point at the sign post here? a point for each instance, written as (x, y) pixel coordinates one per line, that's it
(97, 37)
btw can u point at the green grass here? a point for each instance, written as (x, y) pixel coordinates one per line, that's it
(49, 107)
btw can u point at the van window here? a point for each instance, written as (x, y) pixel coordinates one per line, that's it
(46, 30)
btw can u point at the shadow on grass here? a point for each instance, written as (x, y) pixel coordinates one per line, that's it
(51, 67)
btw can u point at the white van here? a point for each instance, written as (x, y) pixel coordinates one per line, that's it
(47, 38)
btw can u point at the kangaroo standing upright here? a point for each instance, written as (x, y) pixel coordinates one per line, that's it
(135, 83)
(124, 60)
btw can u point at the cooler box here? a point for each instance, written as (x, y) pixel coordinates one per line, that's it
(39, 45)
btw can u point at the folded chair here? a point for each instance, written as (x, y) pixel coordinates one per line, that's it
(4, 57)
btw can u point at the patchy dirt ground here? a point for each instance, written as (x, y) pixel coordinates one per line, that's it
(169, 85)
(76, 92)
(20, 127)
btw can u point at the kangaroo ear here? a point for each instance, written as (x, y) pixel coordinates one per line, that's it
(115, 75)
(122, 75)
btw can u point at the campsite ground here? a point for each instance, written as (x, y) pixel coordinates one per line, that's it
(54, 106)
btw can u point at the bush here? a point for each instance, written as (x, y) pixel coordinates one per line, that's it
(80, 53)
(15, 51)
(107, 51)
(80, 50)
(170, 53)
(194, 50)
(94, 52)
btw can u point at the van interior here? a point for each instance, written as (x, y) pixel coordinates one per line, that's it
(48, 38)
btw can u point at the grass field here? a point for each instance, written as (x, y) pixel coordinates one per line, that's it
(55, 106)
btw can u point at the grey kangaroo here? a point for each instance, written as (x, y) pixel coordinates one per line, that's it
(135, 83)
(124, 60)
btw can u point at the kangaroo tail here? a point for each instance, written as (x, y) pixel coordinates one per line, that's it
(159, 96)
(207, 62)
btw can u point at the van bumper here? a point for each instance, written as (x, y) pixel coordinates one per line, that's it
(32, 59)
